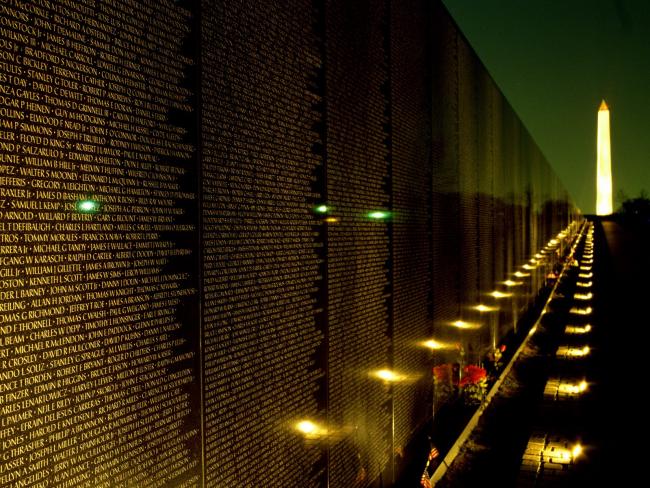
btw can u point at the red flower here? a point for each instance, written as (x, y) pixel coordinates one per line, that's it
(472, 375)
(442, 372)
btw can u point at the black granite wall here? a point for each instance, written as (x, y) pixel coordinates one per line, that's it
(225, 224)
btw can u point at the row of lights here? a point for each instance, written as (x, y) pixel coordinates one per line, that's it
(532, 264)
(576, 388)
(562, 454)
(587, 257)
(313, 430)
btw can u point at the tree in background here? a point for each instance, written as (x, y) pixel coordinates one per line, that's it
(634, 209)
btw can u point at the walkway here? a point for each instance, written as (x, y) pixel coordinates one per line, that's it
(573, 401)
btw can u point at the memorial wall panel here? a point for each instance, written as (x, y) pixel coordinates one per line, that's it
(411, 167)
(261, 247)
(503, 223)
(358, 184)
(448, 305)
(98, 347)
(486, 244)
(470, 205)
(501, 183)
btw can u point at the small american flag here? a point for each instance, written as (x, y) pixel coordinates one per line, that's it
(433, 453)
(426, 482)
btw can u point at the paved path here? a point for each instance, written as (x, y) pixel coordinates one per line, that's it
(625, 359)
(573, 403)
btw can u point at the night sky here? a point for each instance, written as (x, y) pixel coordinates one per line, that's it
(555, 60)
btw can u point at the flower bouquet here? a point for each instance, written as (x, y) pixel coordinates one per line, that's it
(473, 384)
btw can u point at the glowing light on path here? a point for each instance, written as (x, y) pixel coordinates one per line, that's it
(572, 388)
(604, 165)
(581, 311)
(572, 352)
(577, 450)
(576, 329)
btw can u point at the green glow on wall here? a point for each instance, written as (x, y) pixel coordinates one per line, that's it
(379, 214)
(88, 206)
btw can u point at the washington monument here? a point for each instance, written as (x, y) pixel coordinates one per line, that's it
(604, 176)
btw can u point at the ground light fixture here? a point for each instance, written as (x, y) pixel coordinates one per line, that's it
(562, 456)
(577, 329)
(581, 311)
(573, 388)
(576, 451)
(575, 352)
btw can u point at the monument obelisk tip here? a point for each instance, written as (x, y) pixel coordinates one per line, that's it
(603, 106)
